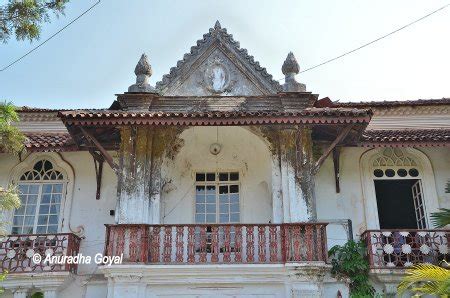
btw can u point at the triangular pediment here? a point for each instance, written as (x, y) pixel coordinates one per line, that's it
(217, 66)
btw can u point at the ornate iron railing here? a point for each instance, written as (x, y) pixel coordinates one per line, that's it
(403, 248)
(21, 253)
(217, 243)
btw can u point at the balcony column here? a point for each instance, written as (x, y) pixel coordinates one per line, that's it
(20, 293)
(127, 284)
(277, 191)
(297, 177)
(305, 280)
(139, 176)
(49, 292)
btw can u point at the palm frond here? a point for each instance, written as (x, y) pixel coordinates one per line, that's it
(430, 279)
(431, 287)
(8, 112)
(442, 218)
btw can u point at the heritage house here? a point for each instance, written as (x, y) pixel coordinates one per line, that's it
(221, 182)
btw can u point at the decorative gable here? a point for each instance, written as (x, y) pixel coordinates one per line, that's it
(217, 66)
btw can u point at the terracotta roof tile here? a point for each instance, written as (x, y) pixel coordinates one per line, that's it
(44, 142)
(309, 115)
(406, 138)
(388, 104)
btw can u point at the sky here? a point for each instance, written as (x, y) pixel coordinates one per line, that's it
(94, 59)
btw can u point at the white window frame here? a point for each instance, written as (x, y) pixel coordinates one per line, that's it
(41, 184)
(60, 165)
(426, 175)
(217, 183)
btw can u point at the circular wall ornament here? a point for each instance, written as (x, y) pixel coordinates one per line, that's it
(215, 148)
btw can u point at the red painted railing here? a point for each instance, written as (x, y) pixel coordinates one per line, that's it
(217, 243)
(17, 251)
(397, 249)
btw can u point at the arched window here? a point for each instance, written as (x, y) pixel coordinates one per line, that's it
(394, 163)
(398, 187)
(398, 184)
(41, 190)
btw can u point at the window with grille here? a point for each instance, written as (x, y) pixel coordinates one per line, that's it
(397, 177)
(217, 197)
(41, 191)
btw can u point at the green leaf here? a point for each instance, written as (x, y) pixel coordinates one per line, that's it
(442, 218)
(349, 260)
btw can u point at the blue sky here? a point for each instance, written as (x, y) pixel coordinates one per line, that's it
(85, 65)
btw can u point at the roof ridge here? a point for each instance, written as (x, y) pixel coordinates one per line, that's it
(217, 32)
(420, 101)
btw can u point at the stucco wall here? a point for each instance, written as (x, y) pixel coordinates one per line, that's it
(241, 150)
(350, 203)
(86, 212)
(440, 161)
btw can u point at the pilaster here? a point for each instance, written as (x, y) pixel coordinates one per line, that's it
(50, 292)
(129, 285)
(20, 292)
(297, 177)
(136, 176)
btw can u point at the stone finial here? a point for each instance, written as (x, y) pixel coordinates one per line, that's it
(217, 25)
(143, 71)
(290, 65)
(290, 68)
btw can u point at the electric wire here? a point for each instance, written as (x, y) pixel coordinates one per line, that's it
(49, 38)
(373, 41)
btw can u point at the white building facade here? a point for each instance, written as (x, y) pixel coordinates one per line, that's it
(220, 182)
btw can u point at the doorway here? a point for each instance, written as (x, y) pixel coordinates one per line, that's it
(400, 203)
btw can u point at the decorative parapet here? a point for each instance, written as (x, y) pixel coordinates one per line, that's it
(218, 243)
(400, 249)
(18, 252)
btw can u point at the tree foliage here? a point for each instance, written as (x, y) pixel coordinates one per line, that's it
(11, 139)
(426, 279)
(9, 200)
(24, 18)
(442, 218)
(349, 261)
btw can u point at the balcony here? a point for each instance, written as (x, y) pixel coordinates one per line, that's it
(16, 252)
(217, 243)
(399, 249)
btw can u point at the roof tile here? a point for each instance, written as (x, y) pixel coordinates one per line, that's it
(44, 142)
(404, 138)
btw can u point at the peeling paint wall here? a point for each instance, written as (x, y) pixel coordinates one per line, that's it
(241, 151)
(87, 214)
(440, 161)
(141, 153)
(292, 148)
(349, 203)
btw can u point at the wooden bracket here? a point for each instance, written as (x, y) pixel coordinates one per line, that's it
(336, 155)
(98, 164)
(330, 148)
(107, 157)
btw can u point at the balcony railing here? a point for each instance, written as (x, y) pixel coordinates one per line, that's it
(217, 243)
(397, 249)
(17, 251)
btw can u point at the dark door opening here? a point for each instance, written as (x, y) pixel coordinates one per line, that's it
(396, 206)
